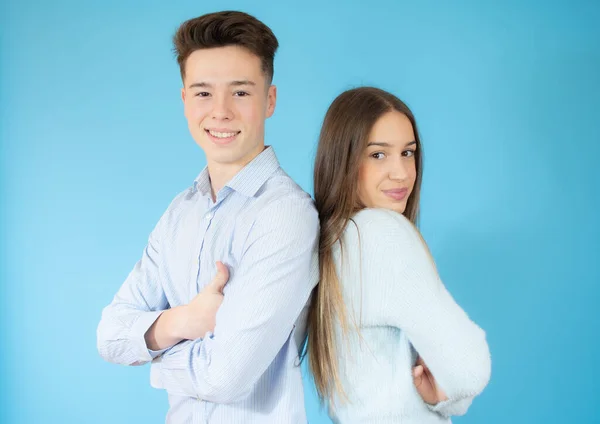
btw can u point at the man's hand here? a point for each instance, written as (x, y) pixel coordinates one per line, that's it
(200, 314)
(191, 321)
(426, 385)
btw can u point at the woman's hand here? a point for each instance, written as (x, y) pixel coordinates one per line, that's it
(426, 385)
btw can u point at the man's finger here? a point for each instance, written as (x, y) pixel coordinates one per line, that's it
(221, 278)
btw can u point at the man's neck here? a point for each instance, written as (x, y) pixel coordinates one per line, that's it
(220, 173)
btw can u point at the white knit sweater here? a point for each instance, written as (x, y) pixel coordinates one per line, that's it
(393, 293)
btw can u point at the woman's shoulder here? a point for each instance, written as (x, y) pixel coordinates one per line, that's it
(383, 239)
(381, 232)
(378, 222)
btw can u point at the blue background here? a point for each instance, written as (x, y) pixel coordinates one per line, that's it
(94, 146)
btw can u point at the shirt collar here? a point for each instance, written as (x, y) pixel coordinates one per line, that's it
(202, 183)
(249, 179)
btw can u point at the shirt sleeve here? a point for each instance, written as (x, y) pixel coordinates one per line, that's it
(263, 299)
(135, 307)
(449, 408)
(401, 277)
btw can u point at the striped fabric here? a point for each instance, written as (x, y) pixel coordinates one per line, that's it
(265, 228)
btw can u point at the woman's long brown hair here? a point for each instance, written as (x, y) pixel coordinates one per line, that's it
(342, 142)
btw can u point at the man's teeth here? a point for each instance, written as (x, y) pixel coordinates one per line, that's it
(221, 134)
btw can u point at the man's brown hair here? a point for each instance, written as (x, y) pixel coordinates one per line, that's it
(228, 28)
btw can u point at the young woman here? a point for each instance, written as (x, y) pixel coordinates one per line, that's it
(387, 342)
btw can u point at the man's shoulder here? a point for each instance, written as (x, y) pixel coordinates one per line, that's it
(280, 189)
(178, 207)
(182, 199)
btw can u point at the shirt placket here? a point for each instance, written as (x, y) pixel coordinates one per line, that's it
(205, 223)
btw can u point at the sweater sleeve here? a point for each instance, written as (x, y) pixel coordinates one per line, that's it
(401, 278)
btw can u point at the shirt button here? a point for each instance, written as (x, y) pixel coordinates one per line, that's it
(209, 215)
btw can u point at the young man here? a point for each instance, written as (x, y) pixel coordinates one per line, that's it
(225, 350)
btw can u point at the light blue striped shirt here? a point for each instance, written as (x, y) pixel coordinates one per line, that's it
(265, 228)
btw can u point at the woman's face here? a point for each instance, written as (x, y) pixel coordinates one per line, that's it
(388, 170)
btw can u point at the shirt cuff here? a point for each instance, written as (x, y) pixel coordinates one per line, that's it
(174, 370)
(138, 333)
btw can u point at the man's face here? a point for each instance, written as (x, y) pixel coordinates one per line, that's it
(226, 101)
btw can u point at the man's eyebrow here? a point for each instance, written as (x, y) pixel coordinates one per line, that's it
(235, 83)
(200, 85)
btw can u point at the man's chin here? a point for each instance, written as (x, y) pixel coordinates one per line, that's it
(225, 158)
